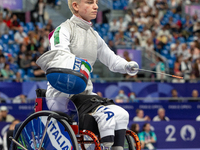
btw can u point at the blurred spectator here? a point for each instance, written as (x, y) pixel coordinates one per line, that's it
(21, 54)
(187, 26)
(164, 35)
(147, 137)
(31, 47)
(114, 27)
(7, 21)
(6, 72)
(161, 115)
(2, 61)
(119, 39)
(193, 78)
(160, 67)
(3, 99)
(173, 50)
(195, 96)
(132, 97)
(121, 97)
(194, 51)
(25, 62)
(196, 27)
(149, 46)
(38, 72)
(5, 116)
(3, 27)
(186, 67)
(136, 45)
(140, 116)
(19, 99)
(40, 9)
(5, 11)
(18, 77)
(112, 46)
(6, 140)
(13, 65)
(173, 25)
(196, 68)
(135, 128)
(177, 70)
(20, 37)
(122, 24)
(131, 24)
(14, 22)
(173, 4)
(126, 56)
(184, 51)
(49, 25)
(45, 42)
(128, 16)
(198, 118)
(174, 97)
(99, 94)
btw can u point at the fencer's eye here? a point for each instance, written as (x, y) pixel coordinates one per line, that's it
(90, 2)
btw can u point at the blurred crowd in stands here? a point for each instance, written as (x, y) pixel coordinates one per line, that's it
(22, 43)
(156, 26)
(159, 26)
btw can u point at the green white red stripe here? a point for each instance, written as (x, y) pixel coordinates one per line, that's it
(85, 69)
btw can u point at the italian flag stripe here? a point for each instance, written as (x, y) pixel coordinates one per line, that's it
(86, 65)
(85, 73)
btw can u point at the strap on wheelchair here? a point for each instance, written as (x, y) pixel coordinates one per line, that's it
(41, 92)
(88, 103)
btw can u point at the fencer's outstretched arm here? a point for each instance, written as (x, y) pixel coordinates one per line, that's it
(114, 62)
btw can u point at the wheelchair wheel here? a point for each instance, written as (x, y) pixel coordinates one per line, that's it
(45, 130)
(129, 143)
(88, 141)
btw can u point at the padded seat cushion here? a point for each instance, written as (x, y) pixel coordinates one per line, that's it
(87, 122)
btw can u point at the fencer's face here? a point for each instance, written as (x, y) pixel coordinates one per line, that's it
(86, 9)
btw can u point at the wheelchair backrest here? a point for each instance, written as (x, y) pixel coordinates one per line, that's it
(40, 101)
(40, 104)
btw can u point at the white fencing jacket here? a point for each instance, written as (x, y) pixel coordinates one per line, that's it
(77, 37)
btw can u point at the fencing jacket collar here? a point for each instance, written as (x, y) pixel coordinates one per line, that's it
(81, 23)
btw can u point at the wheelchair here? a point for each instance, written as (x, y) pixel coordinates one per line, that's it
(54, 130)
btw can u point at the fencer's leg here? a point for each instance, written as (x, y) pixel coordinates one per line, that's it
(57, 104)
(121, 120)
(106, 124)
(119, 139)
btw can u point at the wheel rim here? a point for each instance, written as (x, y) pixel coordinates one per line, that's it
(31, 131)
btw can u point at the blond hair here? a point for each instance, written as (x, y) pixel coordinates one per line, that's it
(70, 5)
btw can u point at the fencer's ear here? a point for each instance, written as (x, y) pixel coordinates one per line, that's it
(75, 6)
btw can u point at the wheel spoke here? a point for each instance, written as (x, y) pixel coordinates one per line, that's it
(11, 138)
(45, 130)
(34, 141)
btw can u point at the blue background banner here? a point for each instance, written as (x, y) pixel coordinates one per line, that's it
(149, 90)
(175, 111)
(12, 4)
(175, 134)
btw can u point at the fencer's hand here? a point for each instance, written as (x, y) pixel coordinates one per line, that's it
(132, 68)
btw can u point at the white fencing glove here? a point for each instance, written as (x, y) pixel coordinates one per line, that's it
(132, 68)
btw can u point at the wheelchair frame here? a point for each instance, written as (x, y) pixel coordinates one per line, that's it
(78, 134)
